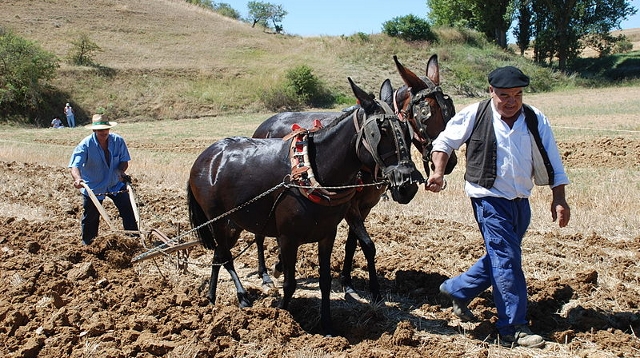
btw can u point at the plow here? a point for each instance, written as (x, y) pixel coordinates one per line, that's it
(165, 245)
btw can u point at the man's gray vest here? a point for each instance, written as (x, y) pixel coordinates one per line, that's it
(482, 149)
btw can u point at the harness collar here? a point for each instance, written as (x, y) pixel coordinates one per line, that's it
(302, 173)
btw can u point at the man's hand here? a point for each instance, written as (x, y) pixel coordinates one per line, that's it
(435, 183)
(559, 208)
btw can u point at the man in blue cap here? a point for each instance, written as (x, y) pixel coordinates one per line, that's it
(510, 147)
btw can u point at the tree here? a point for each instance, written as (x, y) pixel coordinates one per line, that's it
(409, 28)
(263, 12)
(225, 9)
(207, 4)
(83, 50)
(24, 70)
(523, 32)
(562, 29)
(452, 13)
(493, 18)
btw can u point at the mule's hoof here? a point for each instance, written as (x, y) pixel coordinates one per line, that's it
(244, 301)
(350, 295)
(276, 273)
(269, 289)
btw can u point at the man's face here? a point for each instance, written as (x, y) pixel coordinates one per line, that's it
(508, 101)
(102, 133)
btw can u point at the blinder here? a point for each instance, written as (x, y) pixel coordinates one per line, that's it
(370, 136)
(422, 112)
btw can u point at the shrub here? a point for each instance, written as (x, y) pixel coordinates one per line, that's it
(225, 9)
(280, 98)
(301, 87)
(409, 28)
(24, 70)
(303, 82)
(83, 51)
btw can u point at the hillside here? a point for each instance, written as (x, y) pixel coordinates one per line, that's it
(169, 59)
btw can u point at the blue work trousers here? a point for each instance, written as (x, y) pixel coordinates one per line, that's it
(503, 224)
(91, 216)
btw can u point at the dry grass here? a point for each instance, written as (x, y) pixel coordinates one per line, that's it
(164, 150)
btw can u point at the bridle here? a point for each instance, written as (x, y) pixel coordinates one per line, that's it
(421, 113)
(368, 137)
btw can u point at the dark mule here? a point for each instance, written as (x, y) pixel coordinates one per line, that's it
(269, 187)
(422, 103)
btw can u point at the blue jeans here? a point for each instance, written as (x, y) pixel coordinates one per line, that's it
(71, 121)
(502, 224)
(91, 216)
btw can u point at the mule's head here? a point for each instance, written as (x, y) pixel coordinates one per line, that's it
(383, 145)
(423, 104)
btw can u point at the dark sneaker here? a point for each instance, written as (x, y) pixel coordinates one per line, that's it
(460, 308)
(523, 337)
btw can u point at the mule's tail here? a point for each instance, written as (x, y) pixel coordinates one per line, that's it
(197, 218)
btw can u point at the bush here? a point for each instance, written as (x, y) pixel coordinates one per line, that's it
(280, 98)
(225, 9)
(24, 70)
(409, 28)
(83, 51)
(300, 88)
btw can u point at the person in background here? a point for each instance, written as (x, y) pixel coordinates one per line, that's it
(71, 117)
(56, 123)
(100, 161)
(509, 148)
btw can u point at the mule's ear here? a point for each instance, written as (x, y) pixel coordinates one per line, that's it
(403, 98)
(433, 70)
(410, 79)
(365, 100)
(386, 92)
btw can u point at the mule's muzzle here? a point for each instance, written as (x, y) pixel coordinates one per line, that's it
(403, 179)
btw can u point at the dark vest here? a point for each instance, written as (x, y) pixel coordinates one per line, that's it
(482, 147)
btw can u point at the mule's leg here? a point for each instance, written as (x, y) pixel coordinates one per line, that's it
(288, 258)
(357, 231)
(347, 266)
(213, 280)
(267, 283)
(243, 295)
(325, 247)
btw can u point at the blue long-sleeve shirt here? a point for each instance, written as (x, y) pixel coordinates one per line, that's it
(100, 174)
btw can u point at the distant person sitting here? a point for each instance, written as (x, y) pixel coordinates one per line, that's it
(57, 123)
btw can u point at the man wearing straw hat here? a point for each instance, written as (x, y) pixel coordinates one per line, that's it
(99, 162)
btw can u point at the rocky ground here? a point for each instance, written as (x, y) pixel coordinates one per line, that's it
(64, 299)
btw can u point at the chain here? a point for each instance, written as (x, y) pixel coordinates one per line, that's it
(160, 248)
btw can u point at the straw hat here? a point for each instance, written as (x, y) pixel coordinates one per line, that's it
(101, 122)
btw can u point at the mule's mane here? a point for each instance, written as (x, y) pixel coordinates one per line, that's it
(341, 117)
